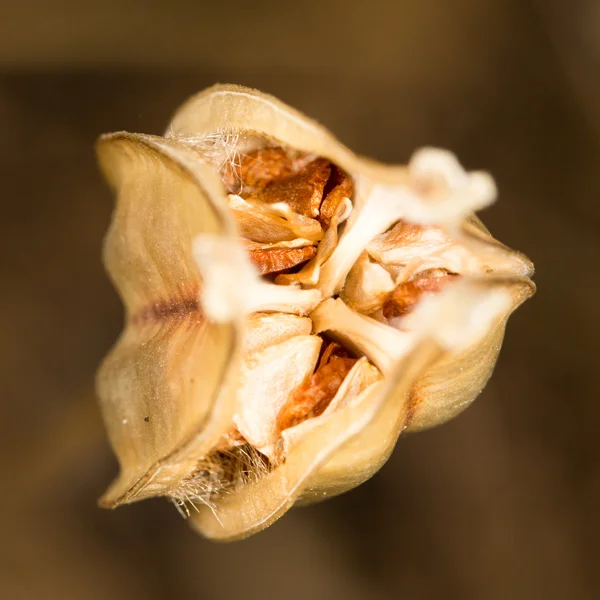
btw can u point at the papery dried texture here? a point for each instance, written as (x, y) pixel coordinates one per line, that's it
(367, 286)
(348, 446)
(410, 371)
(268, 329)
(462, 371)
(154, 399)
(267, 381)
(264, 223)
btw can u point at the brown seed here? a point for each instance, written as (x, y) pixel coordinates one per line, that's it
(275, 260)
(315, 394)
(302, 191)
(260, 167)
(338, 187)
(404, 298)
(332, 350)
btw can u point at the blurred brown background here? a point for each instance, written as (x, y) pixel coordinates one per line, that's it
(500, 503)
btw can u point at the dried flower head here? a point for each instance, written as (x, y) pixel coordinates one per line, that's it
(291, 308)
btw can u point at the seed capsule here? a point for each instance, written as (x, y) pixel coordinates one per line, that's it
(291, 308)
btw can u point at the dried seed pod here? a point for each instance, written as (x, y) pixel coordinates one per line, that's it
(236, 395)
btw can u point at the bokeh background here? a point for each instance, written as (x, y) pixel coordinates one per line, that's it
(503, 502)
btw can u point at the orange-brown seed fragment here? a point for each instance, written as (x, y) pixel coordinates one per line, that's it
(315, 394)
(275, 260)
(302, 191)
(404, 298)
(340, 187)
(262, 166)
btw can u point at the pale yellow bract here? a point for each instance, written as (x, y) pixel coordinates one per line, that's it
(211, 351)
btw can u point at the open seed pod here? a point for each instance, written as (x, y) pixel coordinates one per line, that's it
(291, 308)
